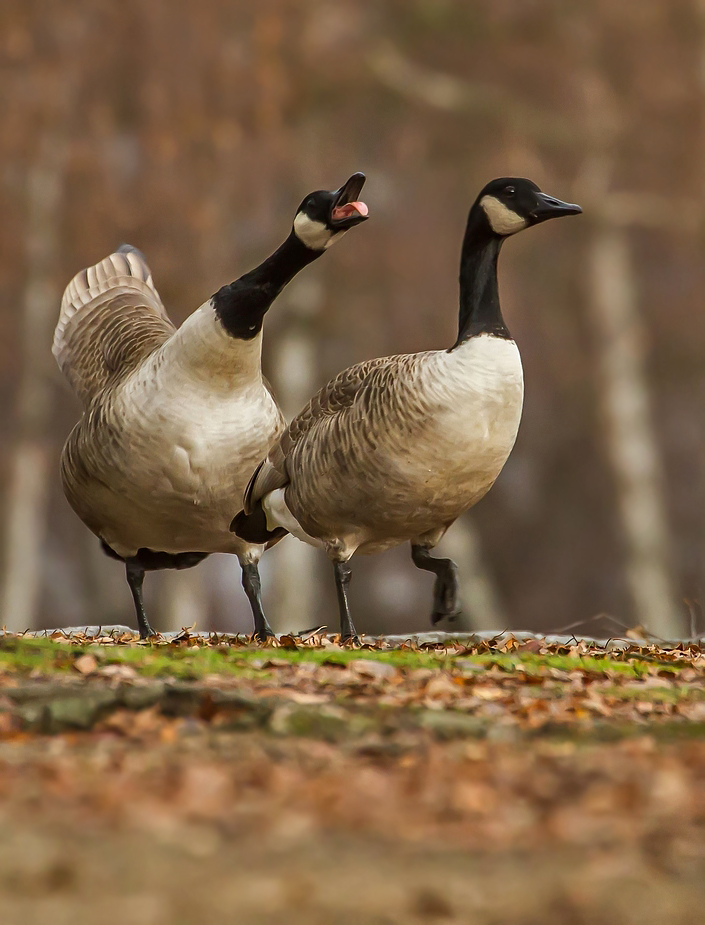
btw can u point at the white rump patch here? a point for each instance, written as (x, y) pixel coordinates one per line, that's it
(502, 219)
(312, 233)
(279, 515)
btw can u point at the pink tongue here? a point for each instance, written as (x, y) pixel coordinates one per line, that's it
(350, 208)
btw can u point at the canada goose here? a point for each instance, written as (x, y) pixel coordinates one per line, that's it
(397, 448)
(174, 421)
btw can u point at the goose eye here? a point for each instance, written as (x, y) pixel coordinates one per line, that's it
(509, 191)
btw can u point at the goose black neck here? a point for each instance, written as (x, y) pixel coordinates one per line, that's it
(242, 305)
(480, 312)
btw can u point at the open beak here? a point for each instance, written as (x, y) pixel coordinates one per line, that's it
(347, 209)
(548, 207)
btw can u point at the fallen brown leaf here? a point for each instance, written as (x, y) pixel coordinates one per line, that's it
(85, 664)
(370, 669)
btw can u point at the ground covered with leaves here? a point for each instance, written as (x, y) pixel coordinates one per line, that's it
(489, 781)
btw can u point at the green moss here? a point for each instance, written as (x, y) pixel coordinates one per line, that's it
(26, 655)
(673, 694)
(183, 662)
(538, 665)
(605, 731)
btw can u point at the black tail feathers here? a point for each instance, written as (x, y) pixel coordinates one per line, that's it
(152, 560)
(253, 527)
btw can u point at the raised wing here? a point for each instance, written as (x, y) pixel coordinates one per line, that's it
(111, 318)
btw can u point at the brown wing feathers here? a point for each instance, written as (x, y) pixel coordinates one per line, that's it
(330, 402)
(111, 317)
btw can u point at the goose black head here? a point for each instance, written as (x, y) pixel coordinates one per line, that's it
(325, 215)
(511, 204)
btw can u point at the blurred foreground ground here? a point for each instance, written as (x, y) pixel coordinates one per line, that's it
(188, 784)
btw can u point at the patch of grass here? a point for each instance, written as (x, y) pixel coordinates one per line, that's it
(46, 656)
(537, 665)
(673, 694)
(606, 731)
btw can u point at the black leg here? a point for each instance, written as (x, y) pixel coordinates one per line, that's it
(445, 589)
(253, 590)
(135, 577)
(343, 574)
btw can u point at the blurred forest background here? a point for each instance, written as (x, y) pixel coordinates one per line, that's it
(192, 129)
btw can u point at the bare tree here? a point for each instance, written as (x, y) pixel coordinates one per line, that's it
(621, 348)
(632, 445)
(295, 565)
(192, 136)
(29, 467)
(630, 440)
(183, 600)
(479, 598)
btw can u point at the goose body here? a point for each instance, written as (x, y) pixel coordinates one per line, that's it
(150, 464)
(397, 448)
(175, 420)
(430, 431)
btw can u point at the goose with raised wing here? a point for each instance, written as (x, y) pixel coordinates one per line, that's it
(397, 448)
(174, 421)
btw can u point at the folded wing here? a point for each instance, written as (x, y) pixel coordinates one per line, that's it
(350, 387)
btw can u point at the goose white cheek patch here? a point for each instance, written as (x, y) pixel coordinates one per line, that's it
(502, 219)
(312, 233)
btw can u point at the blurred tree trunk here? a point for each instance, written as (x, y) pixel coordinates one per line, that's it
(295, 565)
(624, 393)
(631, 442)
(183, 601)
(479, 599)
(29, 458)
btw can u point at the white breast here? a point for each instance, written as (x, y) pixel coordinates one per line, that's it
(484, 372)
(196, 441)
(200, 402)
(478, 391)
(196, 421)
